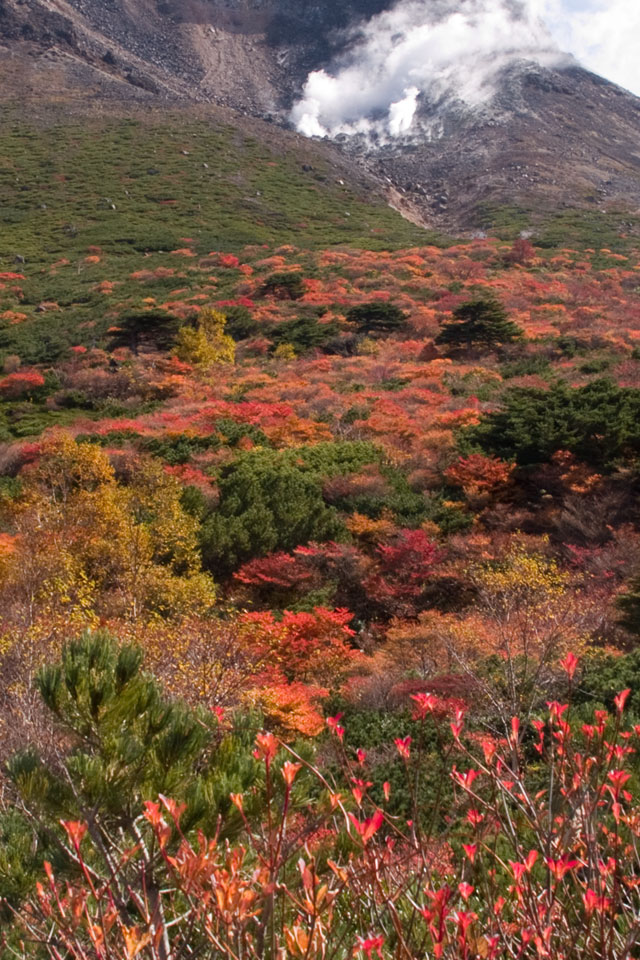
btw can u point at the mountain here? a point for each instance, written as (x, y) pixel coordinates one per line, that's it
(247, 54)
(550, 137)
(550, 140)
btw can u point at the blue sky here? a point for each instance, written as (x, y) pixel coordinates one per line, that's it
(603, 34)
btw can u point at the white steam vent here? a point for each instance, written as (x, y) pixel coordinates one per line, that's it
(421, 49)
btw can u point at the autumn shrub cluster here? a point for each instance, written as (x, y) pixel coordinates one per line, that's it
(161, 829)
(365, 525)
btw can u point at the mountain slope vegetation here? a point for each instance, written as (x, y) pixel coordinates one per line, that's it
(319, 557)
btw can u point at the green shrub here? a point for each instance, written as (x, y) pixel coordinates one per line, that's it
(535, 365)
(377, 316)
(479, 322)
(599, 423)
(303, 334)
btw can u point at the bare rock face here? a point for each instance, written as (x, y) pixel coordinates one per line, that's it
(551, 139)
(548, 138)
(248, 54)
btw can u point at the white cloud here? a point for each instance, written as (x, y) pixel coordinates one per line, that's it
(424, 51)
(429, 48)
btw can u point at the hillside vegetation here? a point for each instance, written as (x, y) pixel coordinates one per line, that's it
(319, 563)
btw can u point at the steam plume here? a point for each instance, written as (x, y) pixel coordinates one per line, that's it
(421, 51)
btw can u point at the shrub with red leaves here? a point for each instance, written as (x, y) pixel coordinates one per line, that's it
(22, 383)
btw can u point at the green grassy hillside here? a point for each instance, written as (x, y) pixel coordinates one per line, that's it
(134, 186)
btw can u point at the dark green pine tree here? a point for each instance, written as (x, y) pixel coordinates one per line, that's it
(155, 330)
(377, 316)
(304, 333)
(119, 742)
(284, 285)
(479, 322)
(599, 423)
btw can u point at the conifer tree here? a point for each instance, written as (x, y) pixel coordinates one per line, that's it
(479, 322)
(120, 742)
(273, 500)
(377, 316)
(148, 330)
(285, 285)
(599, 423)
(265, 506)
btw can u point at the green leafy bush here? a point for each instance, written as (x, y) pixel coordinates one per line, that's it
(377, 316)
(599, 423)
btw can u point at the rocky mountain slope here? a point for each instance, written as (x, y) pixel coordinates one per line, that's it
(550, 138)
(248, 54)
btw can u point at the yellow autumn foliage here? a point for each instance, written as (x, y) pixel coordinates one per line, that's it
(285, 351)
(206, 344)
(89, 546)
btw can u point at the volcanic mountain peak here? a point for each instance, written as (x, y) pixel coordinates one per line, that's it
(518, 124)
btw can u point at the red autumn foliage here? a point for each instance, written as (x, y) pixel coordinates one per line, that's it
(479, 474)
(280, 570)
(22, 383)
(404, 568)
(522, 251)
(305, 646)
